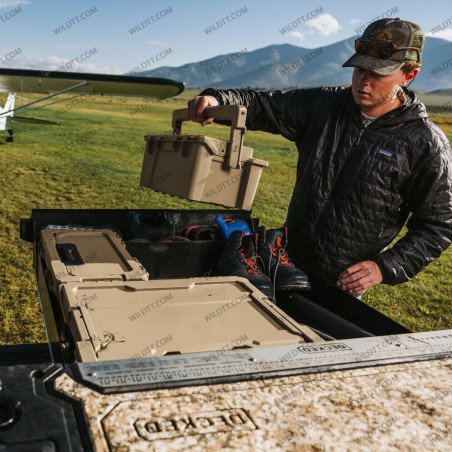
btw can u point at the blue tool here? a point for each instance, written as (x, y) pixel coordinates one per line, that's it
(227, 228)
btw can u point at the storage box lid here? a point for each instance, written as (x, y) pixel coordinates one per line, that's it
(215, 147)
(84, 255)
(176, 142)
(139, 319)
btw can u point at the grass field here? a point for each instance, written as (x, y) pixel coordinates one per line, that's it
(93, 160)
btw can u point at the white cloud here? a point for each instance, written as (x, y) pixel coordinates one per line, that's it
(93, 68)
(355, 21)
(296, 34)
(443, 34)
(12, 3)
(53, 63)
(326, 24)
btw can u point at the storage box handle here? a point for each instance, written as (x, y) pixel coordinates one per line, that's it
(234, 113)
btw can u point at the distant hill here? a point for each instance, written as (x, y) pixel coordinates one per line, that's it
(285, 65)
(442, 92)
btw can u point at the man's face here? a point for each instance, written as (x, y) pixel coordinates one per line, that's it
(371, 90)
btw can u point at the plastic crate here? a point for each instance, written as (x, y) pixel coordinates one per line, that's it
(201, 168)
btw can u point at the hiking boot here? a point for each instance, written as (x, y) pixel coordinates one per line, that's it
(274, 261)
(239, 259)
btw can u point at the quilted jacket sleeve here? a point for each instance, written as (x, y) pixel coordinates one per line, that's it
(278, 112)
(429, 197)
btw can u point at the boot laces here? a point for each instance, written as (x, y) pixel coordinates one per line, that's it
(250, 261)
(279, 252)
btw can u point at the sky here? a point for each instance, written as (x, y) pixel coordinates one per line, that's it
(112, 36)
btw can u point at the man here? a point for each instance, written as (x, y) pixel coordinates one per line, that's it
(368, 157)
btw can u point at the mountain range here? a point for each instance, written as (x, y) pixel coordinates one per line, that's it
(284, 65)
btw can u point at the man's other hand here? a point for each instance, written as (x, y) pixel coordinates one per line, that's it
(197, 106)
(360, 276)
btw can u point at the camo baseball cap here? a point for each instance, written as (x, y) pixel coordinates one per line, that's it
(386, 45)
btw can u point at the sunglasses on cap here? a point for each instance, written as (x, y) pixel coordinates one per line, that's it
(383, 49)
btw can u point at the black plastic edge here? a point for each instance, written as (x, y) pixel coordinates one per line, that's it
(11, 355)
(77, 76)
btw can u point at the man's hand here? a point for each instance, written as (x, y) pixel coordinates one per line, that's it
(197, 106)
(360, 276)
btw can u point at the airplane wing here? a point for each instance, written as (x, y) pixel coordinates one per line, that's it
(28, 81)
(20, 82)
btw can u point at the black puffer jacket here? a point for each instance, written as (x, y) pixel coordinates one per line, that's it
(356, 186)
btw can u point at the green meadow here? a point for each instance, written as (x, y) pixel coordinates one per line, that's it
(93, 160)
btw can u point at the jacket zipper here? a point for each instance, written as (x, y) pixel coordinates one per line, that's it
(328, 201)
(356, 142)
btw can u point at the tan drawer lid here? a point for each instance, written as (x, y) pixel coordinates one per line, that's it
(138, 319)
(87, 255)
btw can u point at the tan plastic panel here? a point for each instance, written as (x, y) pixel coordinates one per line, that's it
(139, 319)
(97, 254)
(202, 168)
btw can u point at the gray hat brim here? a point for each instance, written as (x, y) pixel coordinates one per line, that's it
(373, 64)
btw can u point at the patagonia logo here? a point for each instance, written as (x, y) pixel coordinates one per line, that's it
(386, 152)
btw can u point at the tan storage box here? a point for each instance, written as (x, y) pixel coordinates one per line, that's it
(141, 319)
(201, 168)
(87, 255)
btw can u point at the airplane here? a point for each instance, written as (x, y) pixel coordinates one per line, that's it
(147, 351)
(51, 84)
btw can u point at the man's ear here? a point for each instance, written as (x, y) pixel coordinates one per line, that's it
(410, 76)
